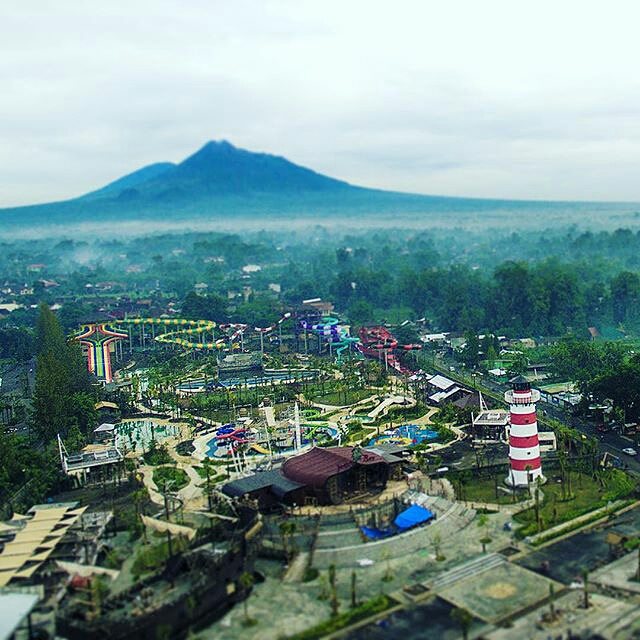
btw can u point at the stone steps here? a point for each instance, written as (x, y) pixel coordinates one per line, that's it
(466, 569)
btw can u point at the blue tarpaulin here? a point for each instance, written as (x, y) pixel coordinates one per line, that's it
(412, 517)
(376, 534)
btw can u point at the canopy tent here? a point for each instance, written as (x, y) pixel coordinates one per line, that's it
(162, 527)
(412, 517)
(13, 562)
(35, 538)
(377, 534)
(84, 570)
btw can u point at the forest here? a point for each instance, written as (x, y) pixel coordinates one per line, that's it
(553, 283)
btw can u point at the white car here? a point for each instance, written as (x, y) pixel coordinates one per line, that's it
(630, 451)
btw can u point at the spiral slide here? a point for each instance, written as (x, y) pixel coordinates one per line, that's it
(378, 340)
(333, 332)
(97, 337)
(186, 328)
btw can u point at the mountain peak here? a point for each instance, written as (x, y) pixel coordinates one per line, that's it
(216, 146)
(220, 167)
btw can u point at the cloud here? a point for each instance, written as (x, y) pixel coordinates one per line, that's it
(529, 100)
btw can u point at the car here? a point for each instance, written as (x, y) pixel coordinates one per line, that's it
(630, 451)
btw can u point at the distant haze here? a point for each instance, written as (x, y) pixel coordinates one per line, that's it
(533, 100)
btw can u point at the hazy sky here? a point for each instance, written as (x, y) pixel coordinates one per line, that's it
(526, 99)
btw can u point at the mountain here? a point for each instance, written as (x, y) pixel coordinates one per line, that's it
(221, 186)
(131, 180)
(219, 168)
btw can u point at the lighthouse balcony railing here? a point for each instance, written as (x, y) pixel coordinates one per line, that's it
(517, 398)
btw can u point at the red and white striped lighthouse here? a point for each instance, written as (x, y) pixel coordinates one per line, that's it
(524, 448)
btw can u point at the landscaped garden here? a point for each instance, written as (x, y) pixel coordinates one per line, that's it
(562, 503)
(365, 610)
(491, 488)
(343, 397)
(170, 478)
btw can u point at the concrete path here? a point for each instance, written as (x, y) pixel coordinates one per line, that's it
(295, 572)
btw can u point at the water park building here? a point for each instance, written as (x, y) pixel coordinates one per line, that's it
(320, 476)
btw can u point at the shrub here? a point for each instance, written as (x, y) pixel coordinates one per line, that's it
(366, 609)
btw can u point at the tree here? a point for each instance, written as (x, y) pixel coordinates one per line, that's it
(464, 619)
(483, 522)
(61, 381)
(585, 587)
(388, 575)
(436, 540)
(287, 529)
(470, 354)
(335, 603)
(209, 307)
(354, 599)
(552, 601)
(625, 294)
(360, 312)
(246, 582)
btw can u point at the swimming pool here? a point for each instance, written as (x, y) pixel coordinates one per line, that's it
(137, 435)
(407, 434)
(217, 448)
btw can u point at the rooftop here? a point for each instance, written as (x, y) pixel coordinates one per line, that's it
(262, 480)
(316, 466)
(14, 608)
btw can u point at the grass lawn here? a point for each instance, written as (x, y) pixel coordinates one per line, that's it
(587, 494)
(344, 398)
(175, 478)
(157, 455)
(484, 490)
(369, 608)
(215, 475)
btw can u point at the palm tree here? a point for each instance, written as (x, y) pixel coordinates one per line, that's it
(464, 619)
(335, 603)
(483, 522)
(246, 582)
(585, 587)
(354, 599)
(287, 529)
(437, 546)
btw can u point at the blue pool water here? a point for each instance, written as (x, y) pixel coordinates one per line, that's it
(214, 444)
(413, 432)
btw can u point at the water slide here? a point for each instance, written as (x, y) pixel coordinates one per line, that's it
(260, 449)
(376, 341)
(97, 338)
(229, 432)
(334, 333)
(385, 404)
